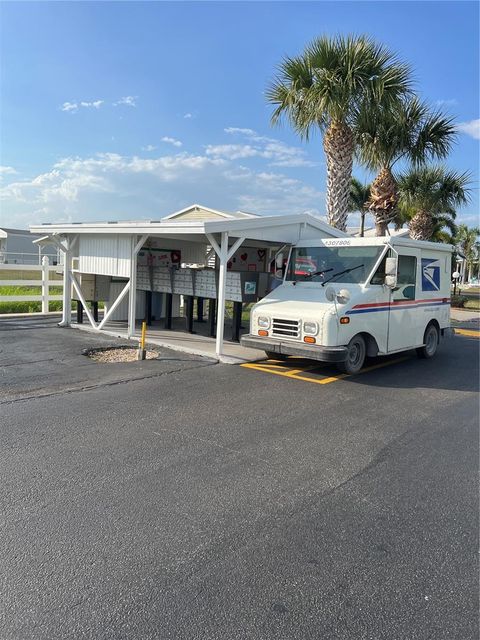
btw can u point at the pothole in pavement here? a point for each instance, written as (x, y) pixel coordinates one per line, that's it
(118, 354)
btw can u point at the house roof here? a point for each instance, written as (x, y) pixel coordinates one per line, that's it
(210, 212)
(371, 232)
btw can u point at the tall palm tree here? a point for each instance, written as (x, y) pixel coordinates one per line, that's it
(325, 87)
(359, 196)
(467, 242)
(432, 195)
(408, 130)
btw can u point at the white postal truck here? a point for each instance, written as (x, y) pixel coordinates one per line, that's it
(344, 299)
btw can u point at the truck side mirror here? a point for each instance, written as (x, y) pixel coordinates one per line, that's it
(391, 265)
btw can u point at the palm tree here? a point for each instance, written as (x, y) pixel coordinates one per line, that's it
(325, 88)
(466, 241)
(408, 130)
(359, 196)
(432, 194)
(444, 227)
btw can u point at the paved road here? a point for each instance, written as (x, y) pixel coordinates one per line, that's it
(220, 502)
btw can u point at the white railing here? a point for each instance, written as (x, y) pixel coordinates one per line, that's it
(16, 257)
(44, 282)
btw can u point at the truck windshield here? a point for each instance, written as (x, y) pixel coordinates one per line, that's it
(317, 264)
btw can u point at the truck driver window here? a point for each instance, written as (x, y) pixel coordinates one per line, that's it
(379, 275)
(406, 278)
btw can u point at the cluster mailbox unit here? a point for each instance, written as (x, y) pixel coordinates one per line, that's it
(161, 280)
(162, 274)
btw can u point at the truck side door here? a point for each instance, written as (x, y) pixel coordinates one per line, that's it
(402, 316)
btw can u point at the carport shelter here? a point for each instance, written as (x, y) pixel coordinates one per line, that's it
(197, 252)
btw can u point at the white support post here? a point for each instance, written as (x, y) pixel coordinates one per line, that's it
(137, 244)
(78, 289)
(115, 304)
(214, 243)
(45, 275)
(234, 248)
(222, 278)
(67, 289)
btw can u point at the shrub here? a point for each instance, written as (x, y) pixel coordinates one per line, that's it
(458, 301)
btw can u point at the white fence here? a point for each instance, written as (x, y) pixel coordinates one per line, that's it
(44, 282)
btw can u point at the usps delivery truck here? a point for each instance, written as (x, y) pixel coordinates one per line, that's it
(344, 299)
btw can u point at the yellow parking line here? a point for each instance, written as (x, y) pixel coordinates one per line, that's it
(468, 332)
(294, 373)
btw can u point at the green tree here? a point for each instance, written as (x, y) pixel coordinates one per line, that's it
(325, 88)
(466, 241)
(408, 131)
(359, 196)
(431, 195)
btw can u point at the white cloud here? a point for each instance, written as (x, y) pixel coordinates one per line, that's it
(172, 141)
(69, 106)
(129, 101)
(113, 186)
(188, 116)
(446, 102)
(279, 154)
(96, 104)
(238, 130)
(149, 147)
(73, 107)
(471, 128)
(7, 170)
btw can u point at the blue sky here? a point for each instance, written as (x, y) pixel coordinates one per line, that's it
(134, 110)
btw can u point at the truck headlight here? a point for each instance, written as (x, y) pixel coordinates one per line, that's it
(311, 328)
(263, 322)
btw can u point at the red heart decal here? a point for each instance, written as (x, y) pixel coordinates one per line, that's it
(244, 256)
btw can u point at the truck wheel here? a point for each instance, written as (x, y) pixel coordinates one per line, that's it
(356, 353)
(271, 355)
(430, 340)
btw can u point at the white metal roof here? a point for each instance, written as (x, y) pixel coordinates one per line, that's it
(3, 234)
(287, 229)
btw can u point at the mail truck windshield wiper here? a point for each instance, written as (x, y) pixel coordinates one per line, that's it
(340, 273)
(318, 273)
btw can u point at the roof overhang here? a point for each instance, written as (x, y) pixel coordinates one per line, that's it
(285, 229)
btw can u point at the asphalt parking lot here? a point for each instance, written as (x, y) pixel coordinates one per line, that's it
(184, 499)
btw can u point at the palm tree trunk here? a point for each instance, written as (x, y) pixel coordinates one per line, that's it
(338, 144)
(421, 226)
(380, 228)
(383, 200)
(362, 223)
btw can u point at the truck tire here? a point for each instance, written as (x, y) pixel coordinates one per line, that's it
(430, 339)
(357, 351)
(271, 355)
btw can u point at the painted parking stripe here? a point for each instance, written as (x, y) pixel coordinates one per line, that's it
(295, 372)
(471, 333)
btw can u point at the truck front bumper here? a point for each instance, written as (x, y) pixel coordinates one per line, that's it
(313, 352)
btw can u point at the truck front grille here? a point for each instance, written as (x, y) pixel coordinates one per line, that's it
(285, 328)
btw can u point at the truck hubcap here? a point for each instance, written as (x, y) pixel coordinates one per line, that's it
(431, 341)
(355, 354)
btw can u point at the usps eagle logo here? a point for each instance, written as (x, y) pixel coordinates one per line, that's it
(430, 275)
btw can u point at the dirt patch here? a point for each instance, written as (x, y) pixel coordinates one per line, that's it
(118, 354)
